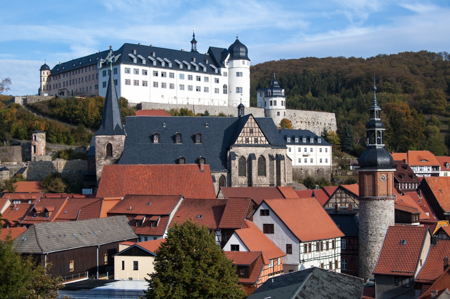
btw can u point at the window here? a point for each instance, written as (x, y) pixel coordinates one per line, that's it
(144, 83)
(181, 160)
(127, 82)
(264, 212)
(311, 160)
(127, 70)
(172, 75)
(198, 78)
(123, 265)
(172, 86)
(288, 139)
(299, 160)
(71, 266)
(181, 86)
(328, 245)
(234, 247)
(317, 246)
(336, 264)
(135, 265)
(296, 141)
(242, 271)
(289, 148)
(330, 265)
(261, 166)
(105, 259)
(198, 138)
(216, 80)
(305, 248)
(155, 73)
(304, 140)
(190, 88)
(320, 160)
(155, 84)
(222, 181)
(238, 89)
(104, 73)
(242, 166)
(216, 90)
(182, 76)
(190, 77)
(270, 263)
(343, 244)
(136, 71)
(104, 84)
(206, 79)
(144, 72)
(268, 228)
(238, 74)
(333, 244)
(206, 89)
(225, 90)
(178, 139)
(156, 138)
(225, 74)
(115, 82)
(326, 150)
(136, 82)
(320, 150)
(163, 74)
(163, 85)
(288, 248)
(275, 102)
(326, 160)
(311, 149)
(109, 150)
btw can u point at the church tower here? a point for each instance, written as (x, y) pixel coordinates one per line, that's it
(44, 73)
(376, 194)
(110, 137)
(238, 75)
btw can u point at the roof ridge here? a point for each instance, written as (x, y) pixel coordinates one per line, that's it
(37, 239)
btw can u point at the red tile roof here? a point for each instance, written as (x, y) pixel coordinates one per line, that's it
(306, 218)
(91, 211)
(72, 208)
(152, 112)
(288, 192)
(246, 259)
(147, 228)
(28, 186)
(400, 156)
(440, 186)
(258, 194)
(329, 190)
(401, 250)
(422, 202)
(24, 197)
(43, 205)
(255, 240)
(406, 203)
(434, 264)
(145, 205)
(444, 161)
(152, 245)
(321, 196)
(207, 212)
(13, 231)
(235, 212)
(186, 180)
(442, 283)
(353, 188)
(15, 213)
(422, 158)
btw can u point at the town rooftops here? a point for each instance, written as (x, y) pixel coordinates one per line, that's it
(258, 194)
(207, 212)
(45, 210)
(440, 186)
(420, 200)
(305, 218)
(440, 288)
(445, 162)
(14, 232)
(236, 211)
(417, 158)
(28, 187)
(72, 208)
(186, 180)
(321, 196)
(310, 283)
(434, 265)
(146, 204)
(58, 236)
(256, 259)
(401, 250)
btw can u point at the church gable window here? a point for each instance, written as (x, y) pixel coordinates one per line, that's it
(109, 150)
(242, 166)
(261, 166)
(178, 138)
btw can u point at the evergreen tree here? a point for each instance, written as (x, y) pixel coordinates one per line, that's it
(189, 264)
(346, 135)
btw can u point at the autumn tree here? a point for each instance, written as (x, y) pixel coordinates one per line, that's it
(189, 264)
(4, 85)
(285, 124)
(54, 183)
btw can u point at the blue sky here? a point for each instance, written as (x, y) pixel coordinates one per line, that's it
(33, 32)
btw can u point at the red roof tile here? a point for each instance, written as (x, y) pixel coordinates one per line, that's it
(152, 112)
(255, 240)
(258, 194)
(288, 192)
(434, 265)
(444, 161)
(329, 190)
(442, 283)
(246, 259)
(72, 208)
(147, 228)
(400, 156)
(187, 180)
(306, 218)
(321, 196)
(422, 158)
(13, 231)
(235, 212)
(353, 188)
(145, 205)
(399, 257)
(15, 213)
(28, 186)
(23, 197)
(406, 208)
(207, 212)
(91, 211)
(43, 205)
(440, 186)
(422, 202)
(152, 245)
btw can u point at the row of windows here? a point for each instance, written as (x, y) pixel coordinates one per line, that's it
(296, 140)
(74, 72)
(311, 160)
(135, 265)
(242, 165)
(178, 138)
(305, 149)
(73, 81)
(320, 246)
(273, 103)
(164, 75)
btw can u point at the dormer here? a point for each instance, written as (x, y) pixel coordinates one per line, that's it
(178, 138)
(181, 160)
(140, 219)
(154, 221)
(198, 138)
(155, 137)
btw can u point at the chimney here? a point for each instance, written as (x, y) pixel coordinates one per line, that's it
(350, 207)
(434, 240)
(202, 166)
(445, 262)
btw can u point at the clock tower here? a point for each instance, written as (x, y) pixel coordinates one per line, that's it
(376, 194)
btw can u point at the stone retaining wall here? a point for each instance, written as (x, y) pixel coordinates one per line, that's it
(72, 170)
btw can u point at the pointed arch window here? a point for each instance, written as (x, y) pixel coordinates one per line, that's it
(261, 166)
(242, 166)
(178, 138)
(222, 181)
(109, 150)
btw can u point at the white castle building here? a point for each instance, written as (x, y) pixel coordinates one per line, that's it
(220, 77)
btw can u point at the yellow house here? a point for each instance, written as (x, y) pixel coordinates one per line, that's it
(135, 261)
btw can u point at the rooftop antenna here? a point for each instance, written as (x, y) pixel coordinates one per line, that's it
(237, 35)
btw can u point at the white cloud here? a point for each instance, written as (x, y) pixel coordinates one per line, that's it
(24, 75)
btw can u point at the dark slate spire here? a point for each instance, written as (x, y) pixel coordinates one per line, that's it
(112, 118)
(376, 155)
(193, 42)
(275, 88)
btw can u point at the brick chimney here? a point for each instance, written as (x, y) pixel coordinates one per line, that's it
(445, 262)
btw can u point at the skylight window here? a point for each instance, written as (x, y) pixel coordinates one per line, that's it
(403, 242)
(199, 216)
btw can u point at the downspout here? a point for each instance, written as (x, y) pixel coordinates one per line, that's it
(98, 246)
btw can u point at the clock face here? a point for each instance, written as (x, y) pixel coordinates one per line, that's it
(382, 177)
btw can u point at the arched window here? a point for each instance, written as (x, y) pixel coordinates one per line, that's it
(109, 150)
(242, 166)
(261, 166)
(178, 138)
(225, 89)
(222, 181)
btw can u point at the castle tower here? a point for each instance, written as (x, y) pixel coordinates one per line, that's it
(44, 73)
(376, 194)
(110, 137)
(238, 75)
(38, 144)
(273, 101)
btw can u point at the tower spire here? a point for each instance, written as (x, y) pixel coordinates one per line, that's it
(193, 42)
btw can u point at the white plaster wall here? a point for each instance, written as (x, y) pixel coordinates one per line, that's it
(316, 155)
(235, 240)
(235, 66)
(145, 267)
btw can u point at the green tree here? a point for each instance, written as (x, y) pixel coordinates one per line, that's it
(309, 182)
(346, 136)
(54, 183)
(21, 278)
(189, 264)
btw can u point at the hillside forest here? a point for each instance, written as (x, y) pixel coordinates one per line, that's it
(413, 91)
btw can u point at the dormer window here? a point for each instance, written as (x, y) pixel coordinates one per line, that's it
(155, 138)
(296, 140)
(319, 140)
(288, 139)
(34, 213)
(181, 160)
(201, 160)
(198, 138)
(304, 140)
(46, 214)
(178, 139)
(311, 140)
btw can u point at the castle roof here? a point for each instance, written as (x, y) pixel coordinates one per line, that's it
(77, 63)
(45, 67)
(300, 134)
(238, 51)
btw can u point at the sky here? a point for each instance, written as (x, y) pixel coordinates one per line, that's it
(51, 31)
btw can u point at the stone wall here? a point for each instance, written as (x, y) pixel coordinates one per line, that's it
(33, 99)
(71, 170)
(301, 172)
(11, 154)
(300, 119)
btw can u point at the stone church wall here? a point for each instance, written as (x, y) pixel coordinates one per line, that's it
(72, 170)
(300, 119)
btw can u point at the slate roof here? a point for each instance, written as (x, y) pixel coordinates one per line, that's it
(255, 240)
(235, 213)
(399, 257)
(440, 186)
(240, 258)
(347, 222)
(207, 212)
(79, 62)
(305, 218)
(300, 134)
(186, 180)
(310, 283)
(434, 264)
(152, 112)
(59, 236)
(258, 194)
(218, 135)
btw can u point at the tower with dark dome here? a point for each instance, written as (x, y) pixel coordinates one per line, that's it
(273, 100)
(44, 73)
(376, 194)
(238, 74)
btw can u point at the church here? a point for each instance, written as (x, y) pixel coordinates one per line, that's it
(241, 151)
